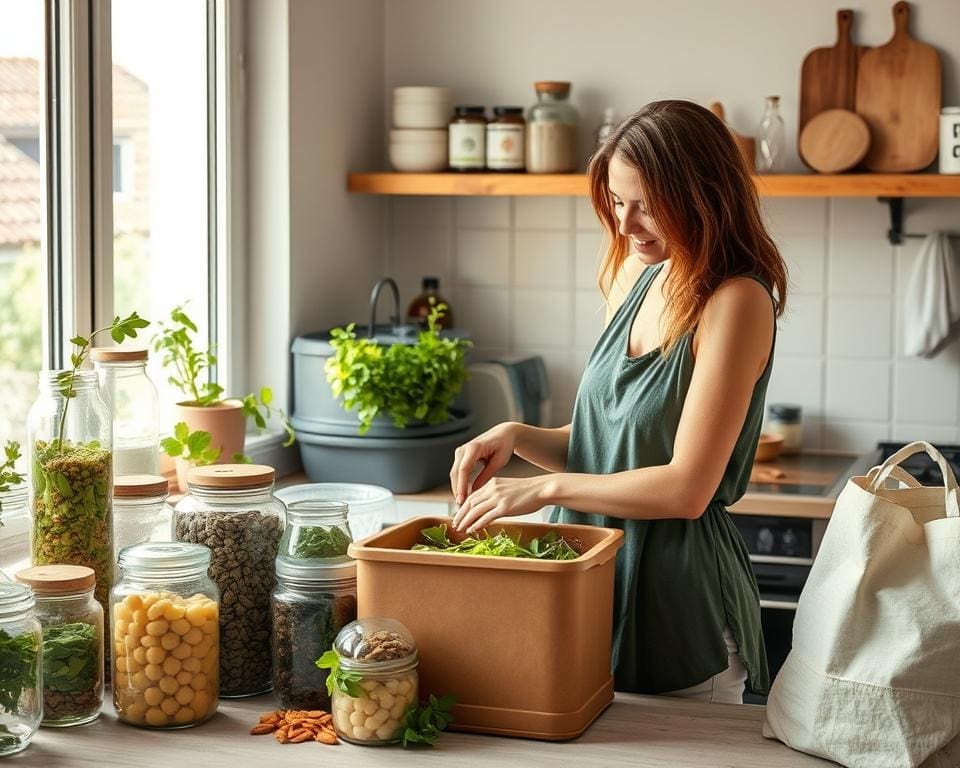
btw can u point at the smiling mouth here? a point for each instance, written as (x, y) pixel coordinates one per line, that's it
(642, 243)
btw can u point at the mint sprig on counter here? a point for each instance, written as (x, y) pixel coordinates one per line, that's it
(422, 724)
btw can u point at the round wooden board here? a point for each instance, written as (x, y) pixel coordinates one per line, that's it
(834, 141)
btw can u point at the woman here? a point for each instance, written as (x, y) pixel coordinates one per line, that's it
(669, 408)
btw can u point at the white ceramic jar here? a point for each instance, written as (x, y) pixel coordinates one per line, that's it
(950, 140)
(418, 150)
(421, 106)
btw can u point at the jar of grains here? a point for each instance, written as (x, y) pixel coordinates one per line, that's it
(383, 653)
(72, 624)
(315, 597)
(165, 631)
(552, 130)
(231, 509)
(20, 643)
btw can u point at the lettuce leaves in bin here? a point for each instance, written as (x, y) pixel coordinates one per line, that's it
(550, 546)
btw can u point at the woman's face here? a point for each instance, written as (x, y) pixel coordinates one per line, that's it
(630, 206)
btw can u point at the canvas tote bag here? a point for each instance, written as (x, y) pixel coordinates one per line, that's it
(873, 677)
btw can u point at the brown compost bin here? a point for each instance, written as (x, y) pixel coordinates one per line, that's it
(523, 644)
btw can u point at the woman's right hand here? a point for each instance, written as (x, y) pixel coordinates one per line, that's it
(493, 449)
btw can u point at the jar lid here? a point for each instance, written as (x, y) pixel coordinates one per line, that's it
(15, 597)
(165, 556)
(552, 86)
(950, 111)
(468, 110)
(437, 93)
(231, 476)
(116, 355)
(57, 579)
(375, 643)
(499, 111)
(140, 486)
(334, 574)
(784, 411)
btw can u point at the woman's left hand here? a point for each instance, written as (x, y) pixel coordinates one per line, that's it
(500, 497)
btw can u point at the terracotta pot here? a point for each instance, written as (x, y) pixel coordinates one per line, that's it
(226, 423)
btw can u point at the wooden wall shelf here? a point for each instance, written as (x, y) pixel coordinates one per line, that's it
(778, 185)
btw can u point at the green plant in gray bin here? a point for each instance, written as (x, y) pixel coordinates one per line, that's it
(72, 481)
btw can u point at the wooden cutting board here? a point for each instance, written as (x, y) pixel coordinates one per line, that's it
(898, 94)
(746, 144)
(834, 141)
(828, 76)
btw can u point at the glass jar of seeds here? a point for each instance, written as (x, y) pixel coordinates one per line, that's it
(383, 653)
(72, 624)
(165, 631)
(315, 597)
(231, 509)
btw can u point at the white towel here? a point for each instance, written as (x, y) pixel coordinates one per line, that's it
(932, 301)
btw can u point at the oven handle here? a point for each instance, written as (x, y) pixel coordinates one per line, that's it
(779, 604)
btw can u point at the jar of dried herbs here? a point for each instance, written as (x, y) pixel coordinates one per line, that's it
(231, 509)
(381, 655)
(72, 622)
(315, 597)
(71, 476)
(20, 699)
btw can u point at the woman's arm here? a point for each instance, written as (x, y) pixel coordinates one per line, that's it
(732, 346)
(547, 448)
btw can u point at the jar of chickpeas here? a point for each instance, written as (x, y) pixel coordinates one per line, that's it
(383, 654)
(164, 624)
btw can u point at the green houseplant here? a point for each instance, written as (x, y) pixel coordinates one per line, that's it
(205, 410)
(9, 477)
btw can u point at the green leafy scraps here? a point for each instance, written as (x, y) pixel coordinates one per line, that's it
(321, 541)
(8, 475)
(422, 724)
(18, 667)
(71, 658)
(550, 546)
(408, 382)
(338, 677)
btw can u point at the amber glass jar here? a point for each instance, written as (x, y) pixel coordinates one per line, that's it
(467, 134)
(505, 139)
(420, 307)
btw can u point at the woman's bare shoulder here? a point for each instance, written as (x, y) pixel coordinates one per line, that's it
(619, 286)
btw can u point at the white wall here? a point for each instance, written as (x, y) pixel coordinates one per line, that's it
(519, 271)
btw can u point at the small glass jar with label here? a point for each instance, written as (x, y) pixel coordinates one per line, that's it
(72, 624)
(467, 134)
(784, 419)
(506, 137)
(383, 653)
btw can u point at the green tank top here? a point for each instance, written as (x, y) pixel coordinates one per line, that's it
(678, 582)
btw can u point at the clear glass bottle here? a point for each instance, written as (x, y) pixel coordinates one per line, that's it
(552, 130)
(231, 509)
(140, 511)
(134, 405)
(71, 478)
(165, 630)
(772, 146)
(382, 651)
(72, 622)
(315, 597)
(20, 644)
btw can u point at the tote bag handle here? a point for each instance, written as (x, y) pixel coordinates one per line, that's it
(893, 463)
(897, 473)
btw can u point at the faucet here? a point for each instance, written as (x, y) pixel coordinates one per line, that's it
(375, 294)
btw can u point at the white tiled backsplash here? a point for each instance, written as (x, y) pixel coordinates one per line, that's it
(520, 274)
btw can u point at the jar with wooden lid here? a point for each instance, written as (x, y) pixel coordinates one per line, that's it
(506, 139)
(134, 406)
(467, 135)
(231, 509)
(72, 622)
(552, 130)
(140, 511)
(165, 633)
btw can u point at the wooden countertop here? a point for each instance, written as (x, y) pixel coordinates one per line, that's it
(777, 487)
(639, 731)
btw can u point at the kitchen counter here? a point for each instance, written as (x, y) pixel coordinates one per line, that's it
(639, 731)
(805, 485)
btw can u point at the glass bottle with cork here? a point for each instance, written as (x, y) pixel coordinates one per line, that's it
(552, 130)
(419, 309)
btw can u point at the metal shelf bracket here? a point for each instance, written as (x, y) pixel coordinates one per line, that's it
(895, 233)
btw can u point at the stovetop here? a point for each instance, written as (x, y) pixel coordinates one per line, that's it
(921, 466)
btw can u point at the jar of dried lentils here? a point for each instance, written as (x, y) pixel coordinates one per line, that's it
(231, 509)
(383, 653)
(165, 631)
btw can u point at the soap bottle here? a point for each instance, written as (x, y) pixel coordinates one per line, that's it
(419, 309)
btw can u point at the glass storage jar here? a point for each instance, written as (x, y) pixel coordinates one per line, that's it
(506, 140)
(72, 622)
(134, 405)
(552, 130)
(467, 139)
(315, 597)
(71, 478)
(14, 515)
(20, 643)
(231, 509)
(382, 651)
(140, 510)
(166, 636)
(784, 420)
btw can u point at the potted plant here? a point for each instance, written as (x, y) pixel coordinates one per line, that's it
(205, 410)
